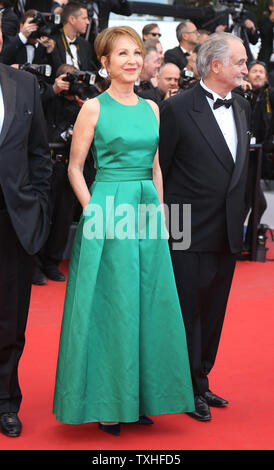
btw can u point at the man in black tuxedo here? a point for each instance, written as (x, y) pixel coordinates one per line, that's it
(70, 47)
(204, 144)
(25, 172)
(188, 36)
(24, 48)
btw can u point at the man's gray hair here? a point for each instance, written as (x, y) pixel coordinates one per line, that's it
(181, 28)
(216, 46)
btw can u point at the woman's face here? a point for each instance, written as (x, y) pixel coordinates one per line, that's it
(125, 61)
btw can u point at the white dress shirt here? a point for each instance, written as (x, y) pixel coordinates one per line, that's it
(29, 48)
(225, 119)
(73, 49)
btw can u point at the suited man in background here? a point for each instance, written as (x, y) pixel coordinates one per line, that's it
(70, 48)
(24, 48)
(204, 142)
(188, 36)
(25, 172)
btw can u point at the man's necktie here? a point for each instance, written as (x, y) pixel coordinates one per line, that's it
(219, 102)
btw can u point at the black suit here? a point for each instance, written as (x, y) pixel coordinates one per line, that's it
(198, 169)
(15, 52)
(176, 56)
(10, 24)
(25, 171)
(58, 56)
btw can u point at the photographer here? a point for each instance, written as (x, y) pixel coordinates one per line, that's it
(26, 46)
(70, 47)
(61, 112)
(239, 21)
(261, 97)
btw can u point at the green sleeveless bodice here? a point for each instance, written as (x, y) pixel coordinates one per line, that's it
(126, 137)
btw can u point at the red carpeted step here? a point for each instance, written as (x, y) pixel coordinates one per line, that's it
(243, 374)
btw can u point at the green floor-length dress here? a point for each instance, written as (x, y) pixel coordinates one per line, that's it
(123, 349)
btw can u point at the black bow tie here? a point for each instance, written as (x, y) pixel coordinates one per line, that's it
(219, 102)
(74, 42)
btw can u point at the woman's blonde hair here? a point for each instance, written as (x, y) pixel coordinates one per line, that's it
(104, 42)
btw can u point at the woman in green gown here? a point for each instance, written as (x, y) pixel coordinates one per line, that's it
(123, 352)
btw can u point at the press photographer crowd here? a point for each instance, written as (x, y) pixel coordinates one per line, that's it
(53, 40)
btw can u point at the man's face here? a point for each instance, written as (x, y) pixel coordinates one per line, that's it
(151, 64)
(257, 76)
(191, 35)
(169, 78)
(81, 21)
(231, 74)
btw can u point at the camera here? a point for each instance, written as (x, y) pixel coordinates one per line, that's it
(186, 77)
(82, 84)
(48, 25)
(248, 94)
(43, 70)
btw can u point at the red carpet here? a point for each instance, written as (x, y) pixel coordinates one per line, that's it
(243, 374)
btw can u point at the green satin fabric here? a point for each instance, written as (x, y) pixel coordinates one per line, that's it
(123, 349)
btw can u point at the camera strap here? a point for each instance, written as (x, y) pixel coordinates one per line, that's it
(68, 49)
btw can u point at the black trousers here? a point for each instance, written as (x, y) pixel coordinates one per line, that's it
(203, 283)
(15, 289)
(63, 204)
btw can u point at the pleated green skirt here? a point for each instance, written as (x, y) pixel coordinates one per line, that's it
(123, 349)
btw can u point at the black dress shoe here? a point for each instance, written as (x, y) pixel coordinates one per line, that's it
(10, 424)
(110, 428)
(214, 400)
(54, 274)
(143, 419)
(202, 411)
(38, 278)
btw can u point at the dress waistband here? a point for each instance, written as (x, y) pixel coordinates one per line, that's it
(123, 174)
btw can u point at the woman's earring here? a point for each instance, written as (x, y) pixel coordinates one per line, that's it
(103, 73)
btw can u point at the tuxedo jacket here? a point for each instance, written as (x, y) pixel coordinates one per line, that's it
(176, 56)
(15, 52)
(25, 164)
(198, 169)
(58, 56)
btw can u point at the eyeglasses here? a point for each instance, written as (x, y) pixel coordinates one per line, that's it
(191, 32)
(155, 34)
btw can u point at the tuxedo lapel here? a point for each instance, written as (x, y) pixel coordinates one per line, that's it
(9, 97)
(242, 134)
(205, 120)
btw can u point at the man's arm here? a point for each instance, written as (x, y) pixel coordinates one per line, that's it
(40, 165)
(169, 136)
